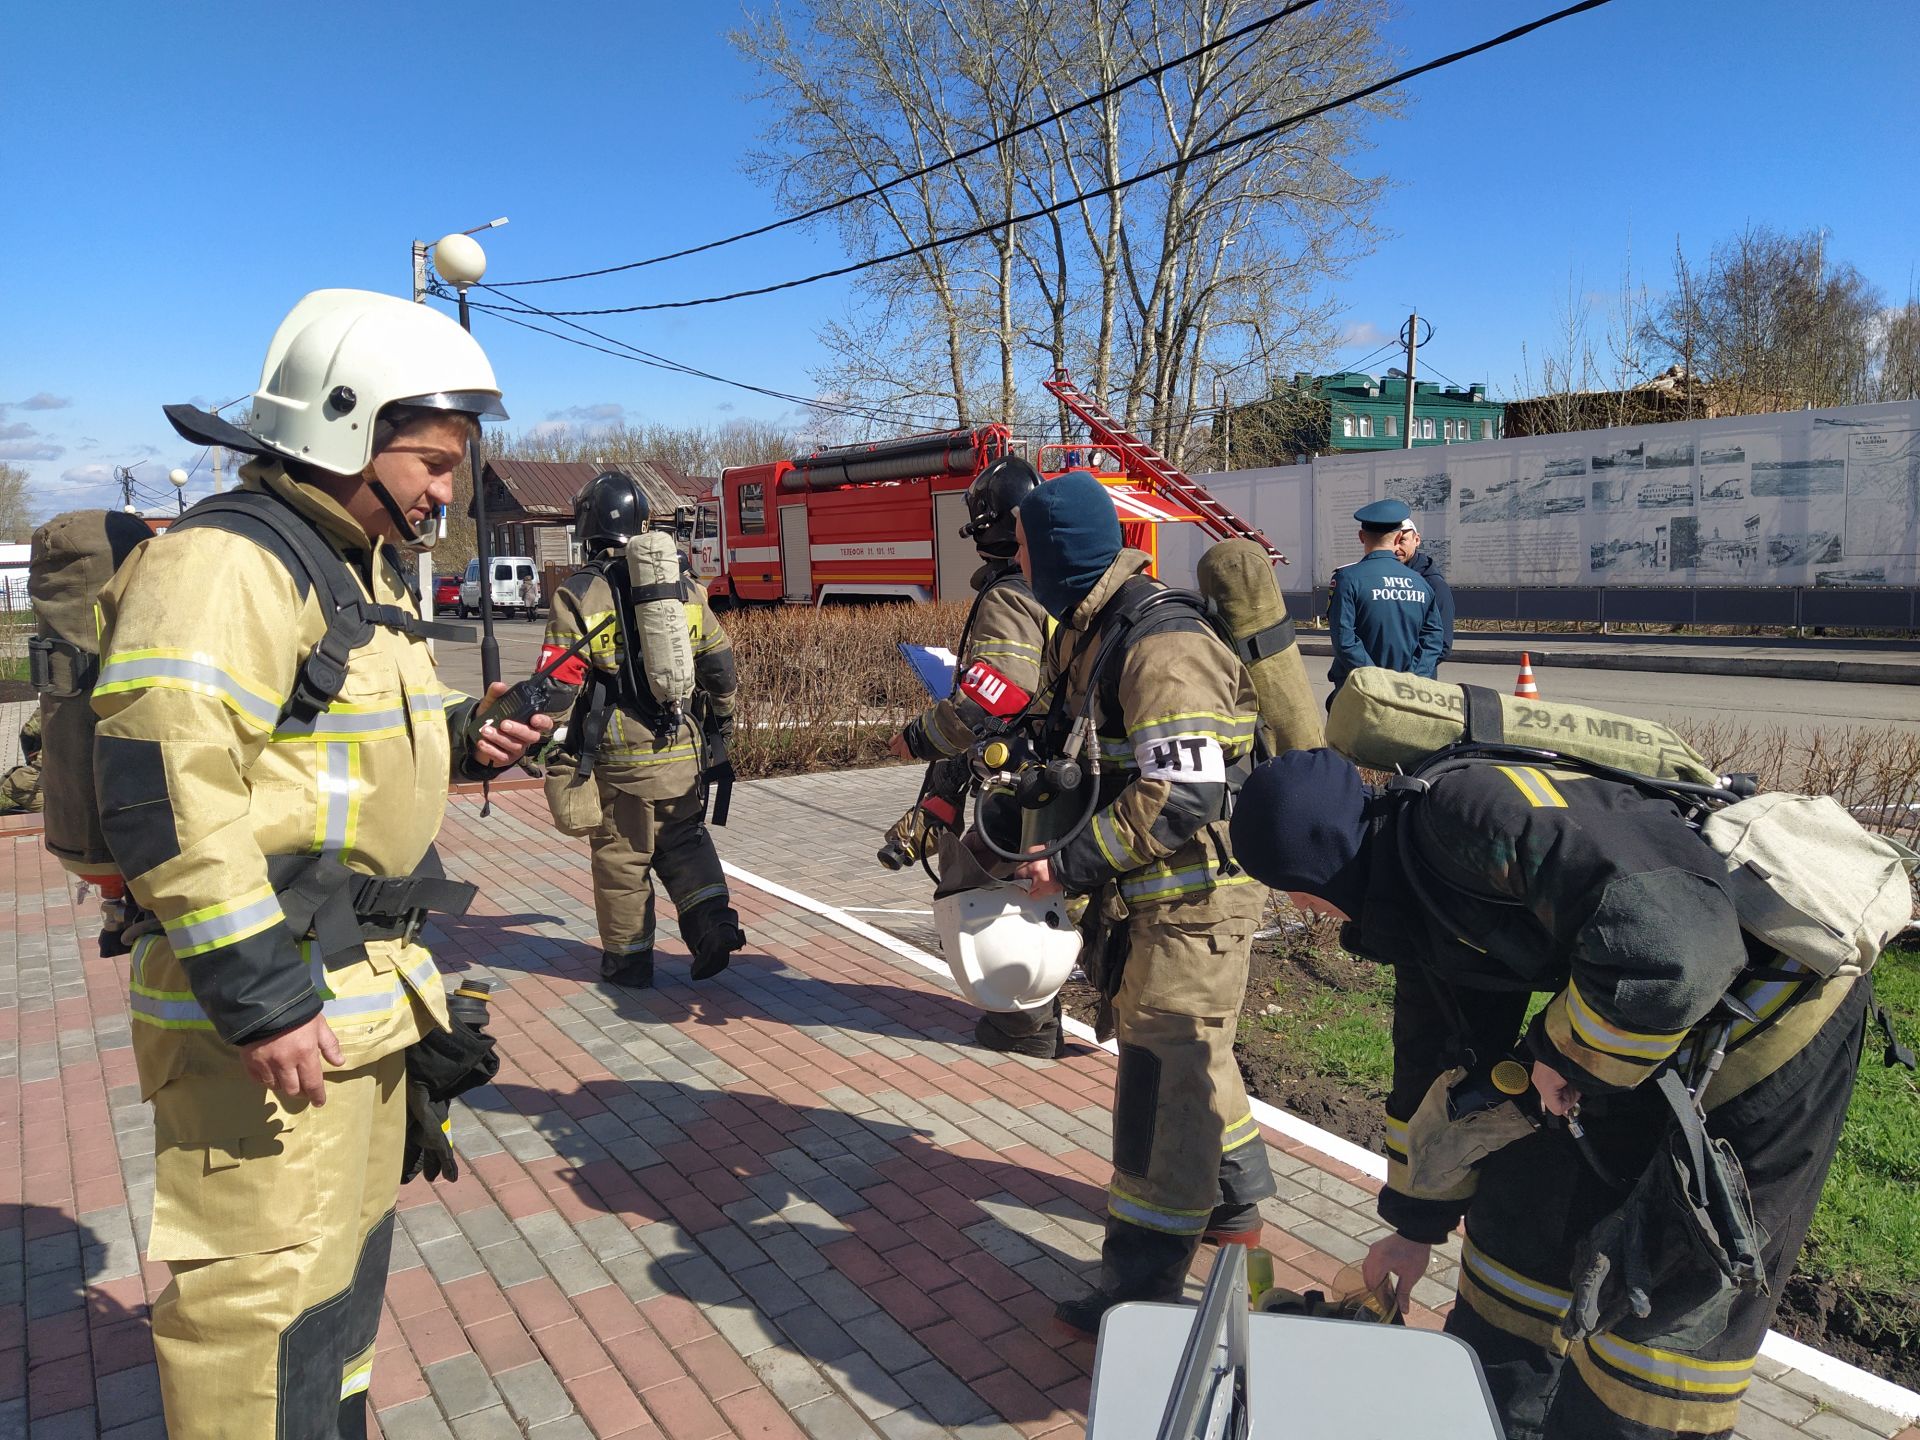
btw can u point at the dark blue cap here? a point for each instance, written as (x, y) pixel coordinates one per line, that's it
(1384, 515)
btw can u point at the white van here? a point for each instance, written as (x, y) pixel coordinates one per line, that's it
(516, 586)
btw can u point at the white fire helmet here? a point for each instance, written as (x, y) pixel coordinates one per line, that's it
(1008, 949)
(342, 356)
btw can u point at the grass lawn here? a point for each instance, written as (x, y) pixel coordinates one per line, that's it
(1866, 1232)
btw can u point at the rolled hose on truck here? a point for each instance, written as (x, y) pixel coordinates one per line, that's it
(1236, 578)
(660, 617)
(1387, 720)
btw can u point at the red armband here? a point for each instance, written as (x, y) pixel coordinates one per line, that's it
(573, 672)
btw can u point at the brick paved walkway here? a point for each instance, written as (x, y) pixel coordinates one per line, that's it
(788, 1202)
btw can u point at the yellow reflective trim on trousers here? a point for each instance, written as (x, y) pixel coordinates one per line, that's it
(356, 1380)
(1511, 1319)
(1241, 1132)
(1672, 1369)
(227, 923)
(1534, 784)
(1600, 1034)
(1652, 1408)
(126, 671)
(1136, 1211)
(1509, 1283)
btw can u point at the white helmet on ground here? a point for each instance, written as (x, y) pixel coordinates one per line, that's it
(342, 356)
(1009, 950)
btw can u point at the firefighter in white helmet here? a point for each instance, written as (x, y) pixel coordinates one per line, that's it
(273, 756)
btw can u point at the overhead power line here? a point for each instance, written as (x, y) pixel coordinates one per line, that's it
(1260, 133)
(991, 143)
(628, 351)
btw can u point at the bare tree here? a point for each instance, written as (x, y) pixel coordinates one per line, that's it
(1772, 324)
(1900, 354)
(691, 449)
(1146, 293)
(16, 516)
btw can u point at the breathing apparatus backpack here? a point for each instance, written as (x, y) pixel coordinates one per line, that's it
(1806, 878)
(75, 554)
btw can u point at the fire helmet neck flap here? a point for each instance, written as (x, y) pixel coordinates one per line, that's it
(610, 510)
(339, 362)
(1008, 949)
(993, 499)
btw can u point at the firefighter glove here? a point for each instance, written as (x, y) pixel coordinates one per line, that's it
(429, 1149)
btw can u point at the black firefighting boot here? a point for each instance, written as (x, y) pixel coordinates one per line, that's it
(1233, 1225)
(1034, 1033)
(712, 932)
(633, 969)
(1135, 1264)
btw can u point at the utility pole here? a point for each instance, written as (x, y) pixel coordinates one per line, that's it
(419, 271)
(1411, 336)
(123, 476)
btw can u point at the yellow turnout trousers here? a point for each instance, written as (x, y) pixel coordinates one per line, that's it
(278, 1241)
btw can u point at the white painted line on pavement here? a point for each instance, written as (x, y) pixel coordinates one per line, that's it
(1848, 1379)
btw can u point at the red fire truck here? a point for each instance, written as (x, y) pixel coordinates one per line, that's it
(883, 520)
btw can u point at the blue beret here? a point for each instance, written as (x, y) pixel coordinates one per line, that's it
(1384, 514)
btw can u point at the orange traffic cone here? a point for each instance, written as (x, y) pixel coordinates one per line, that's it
(1524, 688)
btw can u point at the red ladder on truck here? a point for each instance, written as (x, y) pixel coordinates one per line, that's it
(1158, 473)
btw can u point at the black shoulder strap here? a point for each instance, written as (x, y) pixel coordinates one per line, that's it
(316, 568)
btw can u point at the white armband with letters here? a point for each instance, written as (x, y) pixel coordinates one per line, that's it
(1183, 759)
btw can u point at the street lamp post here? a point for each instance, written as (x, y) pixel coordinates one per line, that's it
(179, 478)
(461, 262)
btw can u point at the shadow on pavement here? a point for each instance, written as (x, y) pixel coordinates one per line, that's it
(953, 1250)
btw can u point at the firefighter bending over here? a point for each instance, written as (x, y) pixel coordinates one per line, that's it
(1586, 1286)
(1005, 629)
(255, 762)
(646, 755)
(1170, 916)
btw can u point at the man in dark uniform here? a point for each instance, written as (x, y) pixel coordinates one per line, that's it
(1382, 613)
(1495, 881)
(1421, 563)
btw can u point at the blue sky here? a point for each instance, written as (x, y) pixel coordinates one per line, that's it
(176, 175)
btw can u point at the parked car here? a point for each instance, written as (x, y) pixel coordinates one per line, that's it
(446, 592)
(516, 587)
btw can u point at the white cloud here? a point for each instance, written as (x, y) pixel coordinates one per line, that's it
(30, 450)
(44, 401)
(591, 416)
(19, 430)
(1364, 333)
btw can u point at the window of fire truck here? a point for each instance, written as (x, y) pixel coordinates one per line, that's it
(753, 508)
